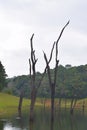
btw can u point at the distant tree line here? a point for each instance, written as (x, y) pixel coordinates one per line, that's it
(71, 83)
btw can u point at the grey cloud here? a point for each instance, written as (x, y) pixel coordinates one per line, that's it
(16, 62)
(45, 18)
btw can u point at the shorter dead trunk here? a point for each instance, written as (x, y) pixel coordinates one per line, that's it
(65, 103)
(83, 106)
(59, 104)
(44, 103)
(20, 103)
(73, 104)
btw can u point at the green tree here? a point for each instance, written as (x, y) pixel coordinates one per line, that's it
(3, 76)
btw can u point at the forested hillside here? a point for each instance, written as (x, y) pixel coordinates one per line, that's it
(71, 82)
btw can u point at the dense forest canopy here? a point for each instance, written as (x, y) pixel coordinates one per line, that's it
(71, 83)
(3, 76)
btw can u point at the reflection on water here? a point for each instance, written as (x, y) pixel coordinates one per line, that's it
(9, 127)
(63, 121)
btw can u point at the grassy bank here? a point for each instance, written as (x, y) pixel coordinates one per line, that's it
(9, 104)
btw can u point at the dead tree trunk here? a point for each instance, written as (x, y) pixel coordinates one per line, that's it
(20, 103)
(73, 104)
(52, 101)
(59, 104)
(33, 100)
(32, 63)
(52, 83)
(34, 87)
(83, 107)
(65, 103)
(21, 99)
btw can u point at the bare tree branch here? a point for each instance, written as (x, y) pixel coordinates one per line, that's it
(51, 52)
(59, 39)
(62, 32)
(48, 68)
(55, 72)
(30, 67)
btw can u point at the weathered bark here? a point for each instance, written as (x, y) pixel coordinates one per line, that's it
(33, 99)
(34, 87)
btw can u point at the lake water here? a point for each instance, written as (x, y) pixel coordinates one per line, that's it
(63, 121)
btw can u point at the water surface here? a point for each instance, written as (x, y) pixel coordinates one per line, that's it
(63, 121)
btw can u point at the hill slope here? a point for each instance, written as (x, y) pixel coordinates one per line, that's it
(9, 104)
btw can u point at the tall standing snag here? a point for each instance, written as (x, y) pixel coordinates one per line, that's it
(32, 63)
(34, 87)
(52, 83)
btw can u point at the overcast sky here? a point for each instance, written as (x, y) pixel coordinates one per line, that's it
(19, 19)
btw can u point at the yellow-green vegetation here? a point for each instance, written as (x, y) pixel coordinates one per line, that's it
(64, 103)
(9, 104)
